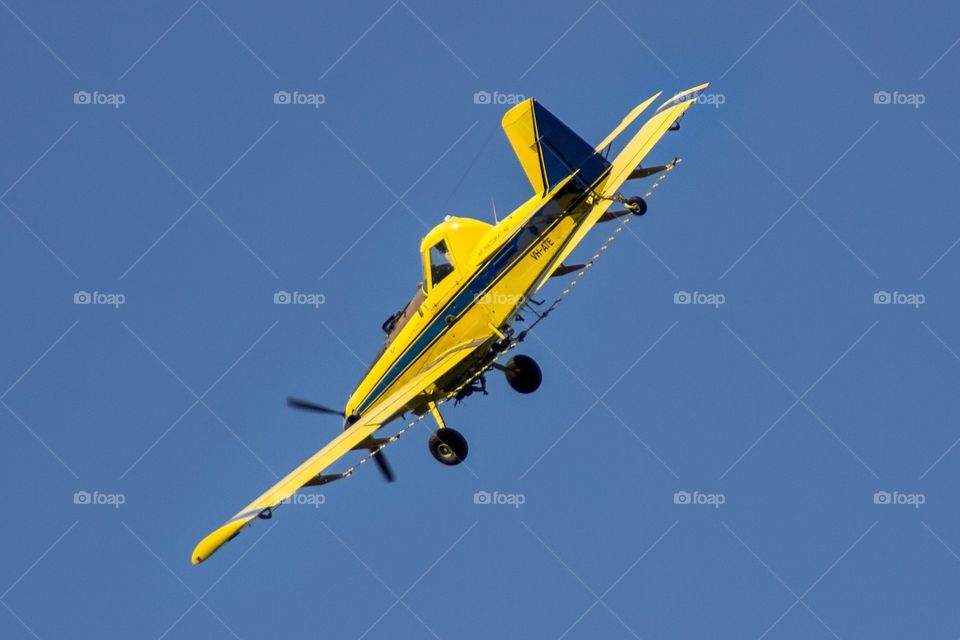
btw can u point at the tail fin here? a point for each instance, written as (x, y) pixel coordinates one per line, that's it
(627, 161)
(548, 150)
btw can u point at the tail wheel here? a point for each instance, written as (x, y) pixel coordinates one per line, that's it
(523, 374)
(636, 205)
(448, 446)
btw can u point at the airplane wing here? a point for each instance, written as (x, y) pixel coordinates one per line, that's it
(631, 156)
(626, 122)
(651, 132)
(376, 417)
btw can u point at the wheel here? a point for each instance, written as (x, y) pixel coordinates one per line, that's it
(636, 205)
(448, 446)
(523, 374)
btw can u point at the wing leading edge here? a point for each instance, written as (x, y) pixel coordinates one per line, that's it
(375, 417)
(631, 156)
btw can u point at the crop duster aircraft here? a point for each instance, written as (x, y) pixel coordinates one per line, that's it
(477, 277)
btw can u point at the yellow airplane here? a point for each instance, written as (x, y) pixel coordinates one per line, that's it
(477, 278)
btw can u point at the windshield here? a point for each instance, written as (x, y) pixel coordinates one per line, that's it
(440, 265)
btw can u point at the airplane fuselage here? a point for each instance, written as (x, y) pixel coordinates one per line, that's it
(476, 306)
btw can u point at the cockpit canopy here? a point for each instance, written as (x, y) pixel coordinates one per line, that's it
(447, 248)
(450, 247)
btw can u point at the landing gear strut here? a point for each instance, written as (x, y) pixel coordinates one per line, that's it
(447, 445)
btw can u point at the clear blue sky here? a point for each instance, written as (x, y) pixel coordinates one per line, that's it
(802, 196)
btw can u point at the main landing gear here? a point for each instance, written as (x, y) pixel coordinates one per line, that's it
(447, 445)
(522, 373)
(632, 206)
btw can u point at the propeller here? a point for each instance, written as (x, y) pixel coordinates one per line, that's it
(305, 405)
(384, 466)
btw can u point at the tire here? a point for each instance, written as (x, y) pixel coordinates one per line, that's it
(523, 374)
(640, 205)
(448, 446)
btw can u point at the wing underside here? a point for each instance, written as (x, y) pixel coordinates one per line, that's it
(627, 161)
(308, 472)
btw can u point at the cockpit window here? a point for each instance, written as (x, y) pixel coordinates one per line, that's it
(440, 265)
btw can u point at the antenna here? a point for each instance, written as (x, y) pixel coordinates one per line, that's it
(494, 205)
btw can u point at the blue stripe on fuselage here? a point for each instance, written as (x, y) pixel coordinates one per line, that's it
(548, 214)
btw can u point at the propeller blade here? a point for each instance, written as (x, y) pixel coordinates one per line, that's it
(304, 405)
(384, 466)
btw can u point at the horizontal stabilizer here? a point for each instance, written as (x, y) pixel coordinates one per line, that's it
(684, 96)
(626, 122)
(628, 161)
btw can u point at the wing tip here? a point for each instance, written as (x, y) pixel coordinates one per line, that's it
(688, 94)
(209, 545)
